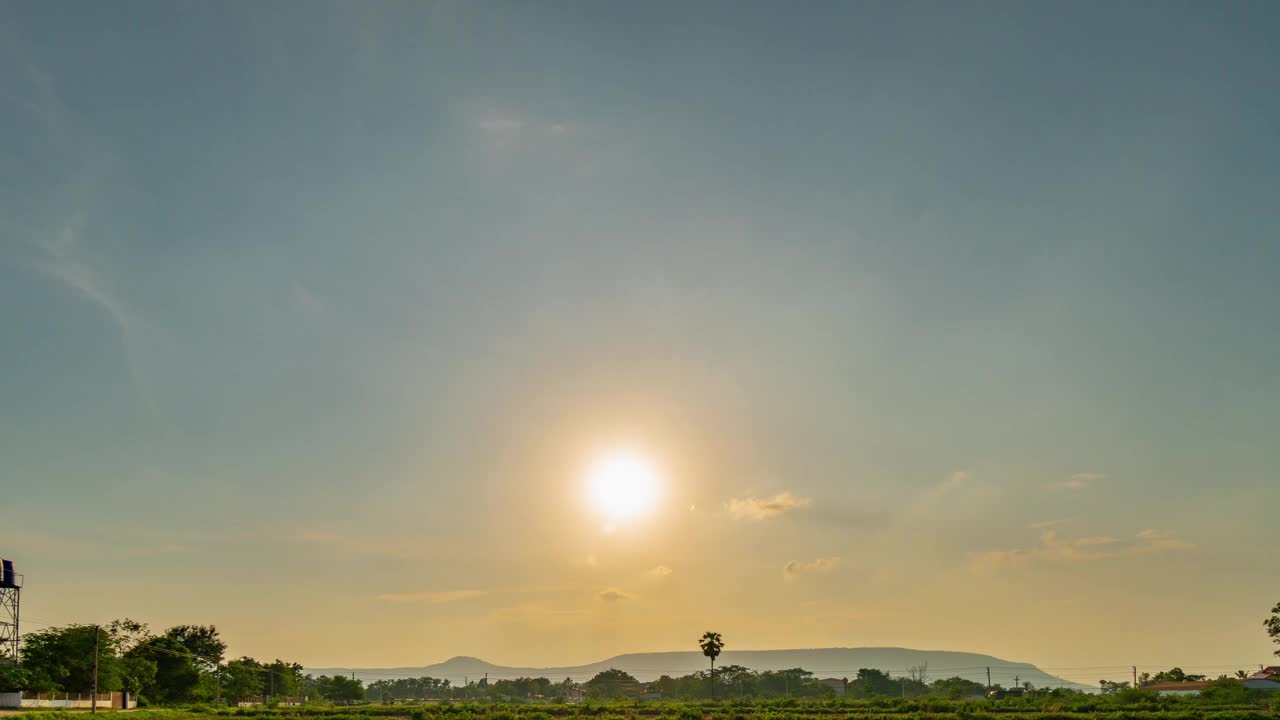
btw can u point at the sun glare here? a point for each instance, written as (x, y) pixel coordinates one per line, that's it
(622, 485)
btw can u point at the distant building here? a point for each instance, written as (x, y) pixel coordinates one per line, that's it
(1262, 683)
(840, 685)
(1268, 678)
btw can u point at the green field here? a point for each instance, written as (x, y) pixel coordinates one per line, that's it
(1079, 707)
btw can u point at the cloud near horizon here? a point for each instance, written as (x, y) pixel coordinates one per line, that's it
(613, 595)
(754, 508)
(1081, 480)
(805, 567)
(1089, 547)
(432, 597)
(1046, 523)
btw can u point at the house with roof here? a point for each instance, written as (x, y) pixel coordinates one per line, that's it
(1268, 678)
(1177, 688)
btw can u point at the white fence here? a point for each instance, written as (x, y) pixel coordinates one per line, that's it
(75, 701)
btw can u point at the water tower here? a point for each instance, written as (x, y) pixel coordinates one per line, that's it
(10, 589)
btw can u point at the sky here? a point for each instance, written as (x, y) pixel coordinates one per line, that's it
(943, 325)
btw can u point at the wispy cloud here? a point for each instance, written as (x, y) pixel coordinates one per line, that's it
(303, 300)
(433, 597)
(57, 240)
(1081, 480)
(540, 616)
(496, 123)
(660, 571)
(954, 480)
(59, 256)
(1090, 547)
(347, 543)
(1046, 523)
(753, 508)
(613, 595)
(805, 567)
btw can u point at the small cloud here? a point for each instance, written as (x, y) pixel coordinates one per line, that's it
(432, 597)
(1094, 540)
(1155, 540)
(818, 565)
(304, 300)
(954, 480)
(1082, 480)
(613, 595)
(500, 124)
(1047, 523)
(1088, 548)
(753, 508)
(660, 571)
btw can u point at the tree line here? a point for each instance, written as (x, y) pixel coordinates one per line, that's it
(731, 681)
(183, 664)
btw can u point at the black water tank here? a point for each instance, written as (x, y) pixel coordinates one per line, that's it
(7, 577)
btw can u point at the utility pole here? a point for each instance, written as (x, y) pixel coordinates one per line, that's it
(988, 679)
(1135, 676)
(93, 704)
(218, 674)
(904, 685)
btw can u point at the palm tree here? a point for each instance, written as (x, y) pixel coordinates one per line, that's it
(711, 645)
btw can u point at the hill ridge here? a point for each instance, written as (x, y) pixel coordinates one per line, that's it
(823, 662)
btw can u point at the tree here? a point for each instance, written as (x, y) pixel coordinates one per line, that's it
(177, 673)
(795, 682)
(242, 679)
(340, 688)
(737, 677)
(612, 684)
(711, 645)
(1171, 675)
(1272, 624)
(13, 677)
(201, 641)
(957, 687)
(62, 659)
(871, 682)
(137, 674)
(283, 679)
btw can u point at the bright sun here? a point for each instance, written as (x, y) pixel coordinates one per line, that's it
(622, 485)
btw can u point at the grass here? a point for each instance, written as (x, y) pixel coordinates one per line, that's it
(1080, 708)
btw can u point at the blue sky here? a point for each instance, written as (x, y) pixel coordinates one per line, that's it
(985, 291)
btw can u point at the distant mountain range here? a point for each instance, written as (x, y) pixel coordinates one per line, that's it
(823, 662)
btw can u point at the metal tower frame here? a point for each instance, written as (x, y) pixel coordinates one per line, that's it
(10, 594)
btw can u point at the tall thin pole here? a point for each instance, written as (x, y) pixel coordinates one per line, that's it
(218, 674)
(93, 704)
(988, 678)
(1135, 676)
